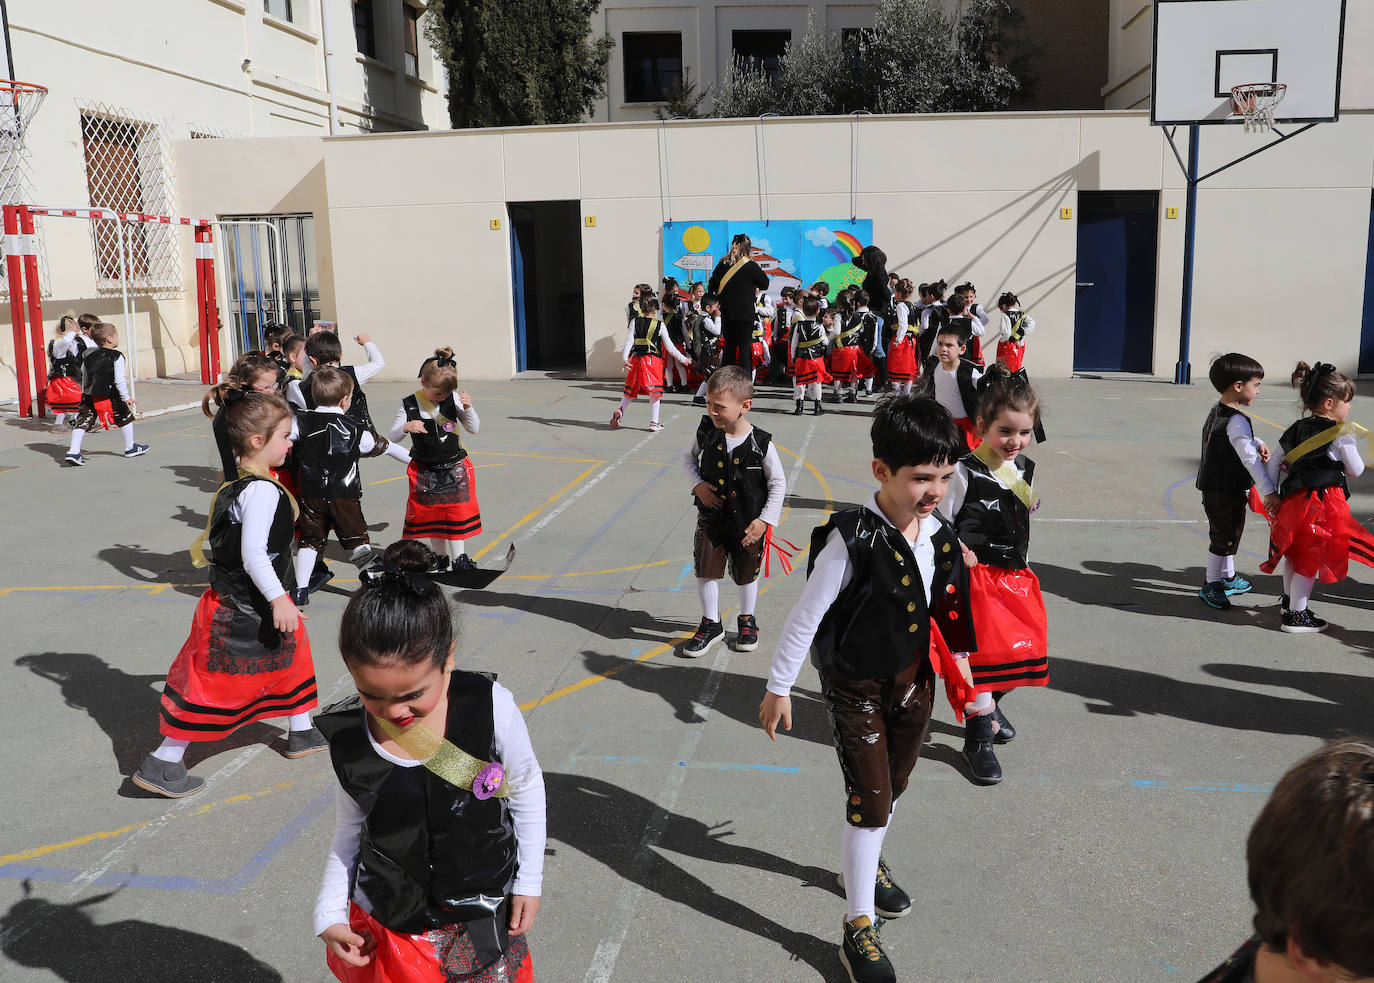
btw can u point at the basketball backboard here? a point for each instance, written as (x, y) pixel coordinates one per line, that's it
(1204, 47)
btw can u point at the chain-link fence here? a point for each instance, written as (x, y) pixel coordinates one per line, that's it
(18, 104)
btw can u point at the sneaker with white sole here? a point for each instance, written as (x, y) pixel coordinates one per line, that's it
(138, 450)
(708, 633)
(655, 426)
(1302, 622)
(862, 955)
(167, 778)
(75, 460)
(615, 420)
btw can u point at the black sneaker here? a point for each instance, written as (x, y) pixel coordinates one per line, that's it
(747, 638)
(851, 397)
(819, 410)
(300, 596)
(889, 899)
(1213, 595)
(708, 633)
(1302, 622)
(440, 565)
(698, 400)
(798, 410)
(862, 955)
(299, 743)
(464, 563)
(167, 778)
(319, 576)
(982, 762)
(364, 557)
(1005, 731)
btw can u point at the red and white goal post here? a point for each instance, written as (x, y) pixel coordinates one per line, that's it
(26, 299)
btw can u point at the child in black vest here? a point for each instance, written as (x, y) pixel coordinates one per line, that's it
(990, 500)
(704, 338)
(437, 862)
(1015, 325)
(807, 349)
(737, 480)
(247, 656)
(328, 446)
(885, 607)
(1232, 463)
(322, 349)
(274, 337)
(645, 345)
(442, 504)
(105, 397)
(952, 380)
(1313, 531)
(65, 349)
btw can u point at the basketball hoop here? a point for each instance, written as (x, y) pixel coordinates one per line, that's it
(1256, 102)
(19, 101)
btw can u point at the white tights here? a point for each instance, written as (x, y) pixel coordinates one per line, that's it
(173, 748)
(860, 850)
(709, 592)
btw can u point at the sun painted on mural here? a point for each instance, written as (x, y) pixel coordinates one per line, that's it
(792, 253)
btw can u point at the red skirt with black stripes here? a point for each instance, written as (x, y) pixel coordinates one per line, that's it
(844, 363)
(1316, 533)
(441, 955)
(1010, 626)
(645, 377)
(235, 669)
(901, 360)
(442, 502)
(64, 395)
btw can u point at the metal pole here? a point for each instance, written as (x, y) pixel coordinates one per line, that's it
(125, 268)
(325, 38)
(1183, 371)
(15, 275)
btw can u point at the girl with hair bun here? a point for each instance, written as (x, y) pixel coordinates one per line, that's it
(65, 349)
(1313, 531)
(990, 499)
(436, 867)
(442, 504)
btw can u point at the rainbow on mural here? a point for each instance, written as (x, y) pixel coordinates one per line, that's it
(793, 253)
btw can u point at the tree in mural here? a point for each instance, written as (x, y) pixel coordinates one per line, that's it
(513, 64)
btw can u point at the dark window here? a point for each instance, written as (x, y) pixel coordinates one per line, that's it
(760, 49)
(362, 28)
(653, 65)
(112, 177)
(278, 8)
(412, 35)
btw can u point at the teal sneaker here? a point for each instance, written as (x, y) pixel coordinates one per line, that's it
(1237, 585)
(1213, 594)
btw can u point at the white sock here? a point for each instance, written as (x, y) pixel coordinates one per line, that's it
(1215, 566)
(654, 402)
(799, 393)
(816, 392)
(624, 402)
(299, 721)
(868, 386)
(860, 849)
(456, 548)
(701, 390)
(60, 419)
(305, 563)
(1228, 568)
(748, 597)
(1301, 592)
(709, 592)
(77, 437)
(171, 750)
(360, 550)
(1287, 578)
(982, 705)
(837, 391)
(128, 431)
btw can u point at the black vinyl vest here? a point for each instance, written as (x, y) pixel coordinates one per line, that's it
(881, 621)
(69, 365)
(968, 392)
(327, 455)
(810, 338)
(228, 577)
(97, 373)
(1313, 470)
(1018, 325)
(737, 476)
(357, 407)
(993, 522)
(646, 337)
(1221, 469)
(965, 325)
(435, 448)
(861, 330)
(676, 326)
(430, 853)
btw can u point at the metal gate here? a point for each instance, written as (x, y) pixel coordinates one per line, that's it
(271, 274)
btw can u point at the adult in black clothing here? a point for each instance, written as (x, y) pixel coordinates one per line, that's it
(873, 261)
(737, 292)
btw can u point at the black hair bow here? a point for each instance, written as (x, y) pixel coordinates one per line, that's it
(235, 394)
(1322, 368)
(380, 574)
(438, 360)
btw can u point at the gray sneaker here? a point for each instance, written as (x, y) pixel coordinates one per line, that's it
(299, 743)
(167, 778)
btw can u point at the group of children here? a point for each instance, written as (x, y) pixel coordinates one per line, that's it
(88, 381)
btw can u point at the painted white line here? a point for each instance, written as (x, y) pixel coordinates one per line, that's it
(168, 409)
(1147, 522)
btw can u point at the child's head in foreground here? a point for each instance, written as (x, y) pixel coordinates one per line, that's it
(915, 446)
(331, 387)
(729, 395)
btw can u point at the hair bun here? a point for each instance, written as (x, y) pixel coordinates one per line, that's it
(445, 352)
(410, 555)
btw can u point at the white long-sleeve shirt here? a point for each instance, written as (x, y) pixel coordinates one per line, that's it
(958, 488)
(947, 390)
(829, 576)
(527, 806)
(711, 324)
(980, 313)
(365, 372)
(772, 473)
(66, 345)
(367, 444)
(254, 509)
(664, 342)
(903, 311)
(925, 314)
(1342, 449)
(467, 417)
(1008, 322)
(1241, 433)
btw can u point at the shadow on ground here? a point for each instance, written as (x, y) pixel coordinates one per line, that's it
(606, 620)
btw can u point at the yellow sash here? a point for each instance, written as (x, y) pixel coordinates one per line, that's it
(198, 559)
(1318, 441)
(1006, 473)
(441, 756)
(433, 410)
(739, 264)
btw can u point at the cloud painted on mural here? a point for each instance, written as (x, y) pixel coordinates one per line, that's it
(791, 252)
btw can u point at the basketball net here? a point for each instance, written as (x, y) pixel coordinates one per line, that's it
(1257, 102)
(19, 101)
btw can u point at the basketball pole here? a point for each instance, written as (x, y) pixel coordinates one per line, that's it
(1183, 370)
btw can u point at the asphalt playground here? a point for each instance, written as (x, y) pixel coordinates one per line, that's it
(683, 845)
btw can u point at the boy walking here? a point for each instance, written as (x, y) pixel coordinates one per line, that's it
(737, 479)
(1232, 463)
(104, 394)
(886, 599)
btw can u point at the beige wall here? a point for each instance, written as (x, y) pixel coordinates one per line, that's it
(416, 264)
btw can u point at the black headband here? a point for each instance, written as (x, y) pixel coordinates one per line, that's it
(441, 361)
(381, 573)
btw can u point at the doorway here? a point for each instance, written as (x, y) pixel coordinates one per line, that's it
(1367, 322)
(546, 282)
(1114, 308)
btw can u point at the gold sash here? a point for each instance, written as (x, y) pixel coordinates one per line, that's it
(1006, 473)
(440, 755)
(1318, 441)
(432, 410)
(198, 559)
(739, 265)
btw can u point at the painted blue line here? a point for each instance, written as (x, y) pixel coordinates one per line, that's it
(1169, 967)
(1157, 786)
(201, 885)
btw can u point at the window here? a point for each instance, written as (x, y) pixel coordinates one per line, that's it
(412, 35)
(653, 65)
(761, 50)
(362, 28)
(277, 8)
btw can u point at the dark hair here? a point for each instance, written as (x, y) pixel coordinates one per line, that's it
(960, 331)
(811, 306)
(957, 305)
(1311, 858)
(737, 381)
(1008, 298)
(821, 287)
(324, 347)
(1003, 389)
(102, 332)
(709, 298)
(937, 289)
(87, 321)
(249, 366)
(909, 430)
(275, 334)
(329, 386)
(1231, 368)
(1320, 382)
(786, 292)
(395, 617)
(966, 288)
(904, 287)
(871, 259)
(291, 344)
(647, 304)
(246, 412)
(861, 298)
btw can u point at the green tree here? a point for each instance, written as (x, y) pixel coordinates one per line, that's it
(525, 63)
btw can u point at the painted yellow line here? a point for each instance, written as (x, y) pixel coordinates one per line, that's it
(820, 478)
(401, 477)
(597, 573)
(151, 588)
(552, 499)
(42, 851)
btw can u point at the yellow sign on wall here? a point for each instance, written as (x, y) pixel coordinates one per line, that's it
(1171, 213)
(591, 221)
(1066, 213)
(496, 225)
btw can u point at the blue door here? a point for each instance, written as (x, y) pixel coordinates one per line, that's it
(521, 245)
(1114, 310)
(1367, 325)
